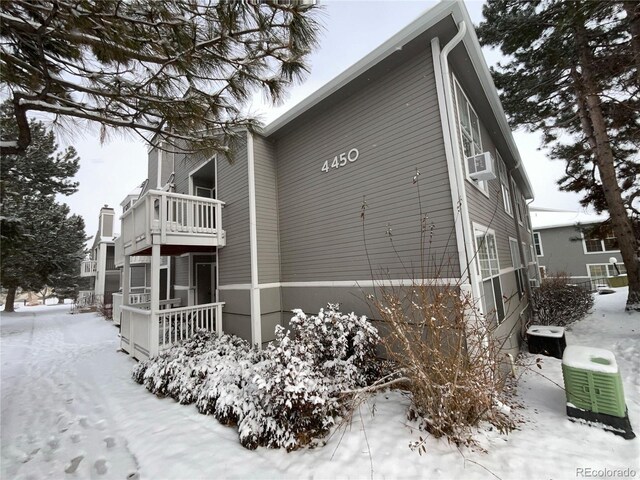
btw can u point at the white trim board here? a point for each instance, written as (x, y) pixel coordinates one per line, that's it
(404, 282)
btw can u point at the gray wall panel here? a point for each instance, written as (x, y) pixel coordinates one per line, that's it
(266, 211)
(561, 253)
(239, 325)
(268, 325)
(233, 189)
(181, 271)
(236, 301)
(270, 300)
(394, 122)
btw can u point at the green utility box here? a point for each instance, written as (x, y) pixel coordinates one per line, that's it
(594, 388)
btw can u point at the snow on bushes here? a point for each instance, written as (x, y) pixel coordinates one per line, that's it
(285, 396)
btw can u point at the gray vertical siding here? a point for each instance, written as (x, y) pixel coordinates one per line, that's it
(266, 211)
(394, 122)
(181, 271)
(233, 188)
(152, 170)
(184, 165)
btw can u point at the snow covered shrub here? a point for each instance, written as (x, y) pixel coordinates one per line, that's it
(284, 396)
(166, 374)
(558, 302)
(138, 372)
(341, 345)
(447, 357)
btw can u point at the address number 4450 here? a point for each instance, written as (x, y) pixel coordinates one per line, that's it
(342, 159)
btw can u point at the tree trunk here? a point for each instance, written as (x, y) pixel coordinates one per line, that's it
(11, 298)
(593, 123)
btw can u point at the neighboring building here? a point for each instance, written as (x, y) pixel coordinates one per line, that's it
(564, 245)
(390, 136)
(100, 265)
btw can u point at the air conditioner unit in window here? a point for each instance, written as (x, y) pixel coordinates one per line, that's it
(481, 167)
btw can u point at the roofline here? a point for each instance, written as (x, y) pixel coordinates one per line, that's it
(457, 10)
(560, 225)
(474, 50)
(425, 21)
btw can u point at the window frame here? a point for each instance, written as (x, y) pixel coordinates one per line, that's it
(608, 267)
(504, 185)
(538, 244)
(482, 185)
(602, 245)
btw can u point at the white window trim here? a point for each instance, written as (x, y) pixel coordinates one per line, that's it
(486, 231)
(606, 265)
(539, 243)
(506, 195)
(601, 252)
(482, 185)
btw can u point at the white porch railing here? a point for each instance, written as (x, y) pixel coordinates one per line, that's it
(134, 298)
(144, 334)
(176, 218)
(88, 268)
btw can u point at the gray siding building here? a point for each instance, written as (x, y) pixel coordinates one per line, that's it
(564, 246)
(334, 198)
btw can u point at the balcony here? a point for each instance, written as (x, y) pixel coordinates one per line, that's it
(176, 222)
(88, 268)
(144, 334)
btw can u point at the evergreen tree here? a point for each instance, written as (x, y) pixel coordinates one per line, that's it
(180, 67)
(571, 72)
(39, 241)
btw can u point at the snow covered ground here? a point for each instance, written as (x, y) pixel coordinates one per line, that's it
(66, 394)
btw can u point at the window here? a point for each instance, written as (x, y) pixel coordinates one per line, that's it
(504, 182)
(543, 271)
(594, 242)
(537, 242)
(517, 265)
(487, 254)
(468, 132)
(606, 269)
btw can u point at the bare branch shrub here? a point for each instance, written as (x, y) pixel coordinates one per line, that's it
(558, 302)
(445, 349)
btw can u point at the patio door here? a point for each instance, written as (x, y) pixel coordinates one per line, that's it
(205, 283)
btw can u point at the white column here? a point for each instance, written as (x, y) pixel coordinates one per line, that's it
(101, 267)
(155, 301)
(126, 275)
(256, 323)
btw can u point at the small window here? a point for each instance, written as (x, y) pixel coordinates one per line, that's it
(504, 184)
(487, 254)
(537, 241)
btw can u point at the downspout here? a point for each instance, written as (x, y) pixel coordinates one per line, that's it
(256, 325)
(464, 234)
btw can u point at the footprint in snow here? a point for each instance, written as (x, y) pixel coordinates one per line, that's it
(110, 441)
(101, 466)
(75, 437)
(73, 464)
(83, 422)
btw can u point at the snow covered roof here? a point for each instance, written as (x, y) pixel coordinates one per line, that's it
(546, 218)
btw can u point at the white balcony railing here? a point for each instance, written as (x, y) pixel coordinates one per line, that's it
(88, 268)
(175, 219)
(144, 334)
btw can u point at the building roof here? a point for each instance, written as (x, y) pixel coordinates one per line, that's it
(542, 218)
(458, 13)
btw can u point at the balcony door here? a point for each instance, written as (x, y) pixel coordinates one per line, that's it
(205, 283)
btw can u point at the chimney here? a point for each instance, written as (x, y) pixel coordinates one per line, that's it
(105, 226)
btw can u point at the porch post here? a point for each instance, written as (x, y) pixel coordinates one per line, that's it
(126, 275)
(154, 307)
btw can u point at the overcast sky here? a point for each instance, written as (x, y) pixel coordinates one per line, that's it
(351, 30)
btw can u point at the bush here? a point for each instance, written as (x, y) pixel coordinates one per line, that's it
(284, 396)
(449, 358)
(557, 302)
